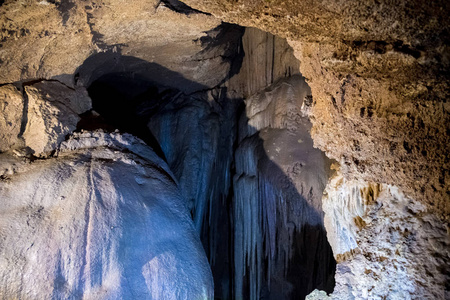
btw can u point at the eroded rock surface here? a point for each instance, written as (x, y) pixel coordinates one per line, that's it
(38, 118)
(53, 111)
(95, 222)
(379, 79)
(11, 109)
(387, 245)
(59, 36)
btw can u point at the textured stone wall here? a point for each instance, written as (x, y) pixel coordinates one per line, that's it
(387, 244)
(378, 72)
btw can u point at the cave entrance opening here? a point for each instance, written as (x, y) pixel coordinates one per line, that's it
(258, 216)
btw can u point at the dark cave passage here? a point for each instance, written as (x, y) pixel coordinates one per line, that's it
(124, 105)
(261, 224)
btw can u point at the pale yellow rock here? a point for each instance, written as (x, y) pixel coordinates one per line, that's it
(11, 109)
(39, 41)
(52, 114)
(50, 40)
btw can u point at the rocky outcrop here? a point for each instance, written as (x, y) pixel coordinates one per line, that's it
(74, 226)
(379, 79)
(53, 111)
(387, 245)
(59, 36)
(38, 119)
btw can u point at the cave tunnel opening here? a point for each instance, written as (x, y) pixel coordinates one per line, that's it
(208, 139)
(126, 104)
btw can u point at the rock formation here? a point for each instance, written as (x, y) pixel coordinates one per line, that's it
(377, 70)
(131, 135)
(387, 244)
(73, 226)
(278, 187)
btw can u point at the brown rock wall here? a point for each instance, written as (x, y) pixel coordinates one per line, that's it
(11, 109)
(378, 72)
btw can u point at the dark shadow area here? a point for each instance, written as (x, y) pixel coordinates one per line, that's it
(117, 110)
(182, 8)
(216, 39)
(129, 68)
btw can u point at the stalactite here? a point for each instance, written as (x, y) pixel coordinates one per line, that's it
(275, 225)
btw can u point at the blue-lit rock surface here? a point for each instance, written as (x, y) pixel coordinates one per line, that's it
(280, 245)
(104, 219)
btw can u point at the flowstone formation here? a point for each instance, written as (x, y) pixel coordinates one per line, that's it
(73, 226)
(141, 141)
(280, 241)
(387, 244)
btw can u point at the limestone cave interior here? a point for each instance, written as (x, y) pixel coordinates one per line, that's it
(252, 149)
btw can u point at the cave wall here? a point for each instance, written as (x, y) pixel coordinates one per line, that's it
(60, 35)
(386, 244)
(378, 74)
(379, 78)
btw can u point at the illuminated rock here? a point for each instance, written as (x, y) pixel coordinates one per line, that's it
(97, 223)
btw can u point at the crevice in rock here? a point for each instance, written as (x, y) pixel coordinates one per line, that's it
(23, 124)
(181, 7)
